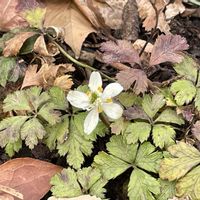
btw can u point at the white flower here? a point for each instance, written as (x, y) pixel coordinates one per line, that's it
(96, 101)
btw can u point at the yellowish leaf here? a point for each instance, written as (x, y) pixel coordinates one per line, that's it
(83, 197)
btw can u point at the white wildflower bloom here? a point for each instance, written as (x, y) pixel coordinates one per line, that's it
(96, 101)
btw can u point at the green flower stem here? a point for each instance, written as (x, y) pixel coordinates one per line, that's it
(104, 119)
(80, 63)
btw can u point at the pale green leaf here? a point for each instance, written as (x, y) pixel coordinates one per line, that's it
(57, 133)
(6, 65)
(11, 148)
(167, 190)
(128, 99)
(119, 148)
(119, 126)
(189, 185)
(137, 131)
(58, 98)
(170, 116)
(184, 91)
(152, 105)
(48, 113)
(147, 158)
(163, 135)
(186, 157)
(10, 129)
(32, 131)
(142, 186)
(168, 97)
(197, 99)
(110, 166)
(65, 184)
(187, 68)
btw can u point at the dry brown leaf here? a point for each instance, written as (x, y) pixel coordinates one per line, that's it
(148, 14)
(139, 44)
(196, 130)
(48, 75)
(29, 176)
(121, 51)
(13, 45)
(12, 192)
(65, 14)
(133, 76)
(9, 17)
(83, 197)
(4, 196)
(174, 9)
(168, 48)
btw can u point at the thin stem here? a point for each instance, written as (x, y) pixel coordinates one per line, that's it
(104, 119)
(80, 63)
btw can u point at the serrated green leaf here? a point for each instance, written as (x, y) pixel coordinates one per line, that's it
(57, 133)
(152, 105)
(65, 184)
(197, 99)
(163, 135)
(137, 131)
(168, 97)
(186, 157)
(76, 145)
(48, 113)
(11, 148)
(189, 185)
(170, 116)
(87, 177)
(187, 68)
(127, 99)
(119, 148)
(110, 166)
(184, 91)
(167, 190)
(6, 65)
(31, 132)
(142, 186)
(58, 98)
(147, 158)
(10, 129)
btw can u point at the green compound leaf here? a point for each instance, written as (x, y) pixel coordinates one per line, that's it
(65, 184)
(147, 158)
(11, 148)
(184, 91)
(57, 134)
(163, 135)
(197, 99)
(167, 190)
(185, 158)
(187, 68)
(142, 186)
(10, 129)
(152, 105)
(119, 148)
(189, 185)
(170, 116)
(6, 65)
(127, 99)
(32, 131)
(137, 131)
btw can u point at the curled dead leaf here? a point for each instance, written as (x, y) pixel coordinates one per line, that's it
(28, 176)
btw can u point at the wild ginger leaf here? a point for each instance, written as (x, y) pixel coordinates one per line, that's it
(147, 158)
(189, 185)
(10, 129)
(32, 131)
(184, 91)
(185, 157)
(187, 68)
(110, 166)
(65, 184)
(119, 148)
(13, 147)
(152, 105)
(170, 116)
(142, 186)
(57, 134)
(163, 135)
(137, 131)
(6, 65)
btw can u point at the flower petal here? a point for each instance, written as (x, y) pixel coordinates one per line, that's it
(95, 81)
(78, 99)
(112, 110)
(91, 121)
(112, 90)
